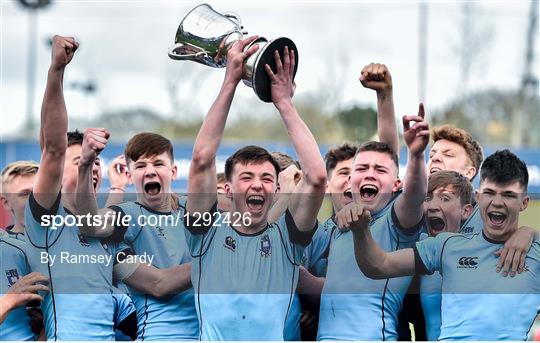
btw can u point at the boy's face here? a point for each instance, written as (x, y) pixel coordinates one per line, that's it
(374, 179)
(152, 177)
(444, 212)
(71, 170)
(500, 206)
(16, 193)
(447, 155)
(339, 185)
(252, 189)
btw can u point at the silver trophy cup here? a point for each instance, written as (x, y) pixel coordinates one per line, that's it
(205, 36)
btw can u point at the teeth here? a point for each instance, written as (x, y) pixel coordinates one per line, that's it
(370, 187)
(256, 198)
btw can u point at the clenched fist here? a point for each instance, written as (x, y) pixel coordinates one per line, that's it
(353, 217)
(94, 142)
(63, 49)
(377, 77)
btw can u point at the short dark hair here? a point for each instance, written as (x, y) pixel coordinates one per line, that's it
(147, 144)
(504, 167)
(249, 154)
(457, 181)
(74, 138)
(343, 152)
(379, 147)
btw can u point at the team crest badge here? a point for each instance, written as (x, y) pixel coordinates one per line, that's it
(230, 243)
(12, 276)
(160, 231)
(266, 247)
(83, 241)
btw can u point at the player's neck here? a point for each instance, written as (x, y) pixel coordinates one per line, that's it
(17, 228)
(164, 205)
(493, 237)
(250, 230)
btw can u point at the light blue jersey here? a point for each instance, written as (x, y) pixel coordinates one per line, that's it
(430, 297)
(477, 302)
(244, 284)
(473, 224)
(353, 306)
(123, 308)
(173, 318)
(14, 265)
(79, 305)
(315, 260)
(15, 235)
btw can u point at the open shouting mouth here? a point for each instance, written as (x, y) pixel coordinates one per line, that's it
(368, 192)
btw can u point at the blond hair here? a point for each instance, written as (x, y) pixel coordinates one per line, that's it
(18, 168)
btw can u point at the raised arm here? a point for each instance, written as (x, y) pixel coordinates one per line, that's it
(408, 206)
(54, 124)
(376, 76)
(307, 199)
(94, 141)
(372, 260)
(119, 180)
(202, 170)
(287, 184)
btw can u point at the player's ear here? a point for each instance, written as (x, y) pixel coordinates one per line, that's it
(4, 202)
(228, 191)
(128, 174)
(466, 211)
(524, 203)
(397, 185)
(470, 172)
(174, 170)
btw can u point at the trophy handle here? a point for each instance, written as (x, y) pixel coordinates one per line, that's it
(197, 56)
(236, 18)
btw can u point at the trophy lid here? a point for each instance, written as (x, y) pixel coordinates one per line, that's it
(261, 81)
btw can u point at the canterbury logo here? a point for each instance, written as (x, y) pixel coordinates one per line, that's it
(468, 262)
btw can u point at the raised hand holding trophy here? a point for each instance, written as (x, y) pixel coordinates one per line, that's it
(205, 36)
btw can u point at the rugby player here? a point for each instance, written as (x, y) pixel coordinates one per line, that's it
(249, 270)
(353, 307)
(497, 308)
(17, 180)
(18, 287)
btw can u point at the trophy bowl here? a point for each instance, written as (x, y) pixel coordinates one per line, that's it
(205, 36)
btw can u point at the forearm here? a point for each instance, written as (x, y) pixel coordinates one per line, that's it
(160, 283)
(115, 196)
(202, 171)
(386, 123)
(279, 207)
(309, 284)
(86, 204)
(415, 183)
(54, 123)
(173, 280)
(211, 132)
(305, 145)
(6, 305)
(369, 255)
